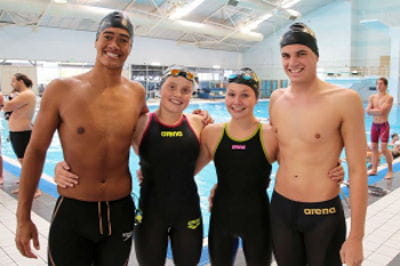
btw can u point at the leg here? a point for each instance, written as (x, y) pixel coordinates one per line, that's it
(287, 242)
(66, 245)
(375, 159)
(222, 244)
(389, 159)
(257, 242)
(115, 249)
(151, 240)
(324, 239)
(187, 242)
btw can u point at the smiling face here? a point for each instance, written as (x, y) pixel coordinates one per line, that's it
(176, 93)
(240, 100)
(113, 47)
(299, 63)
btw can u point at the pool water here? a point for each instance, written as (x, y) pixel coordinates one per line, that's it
(205, 179)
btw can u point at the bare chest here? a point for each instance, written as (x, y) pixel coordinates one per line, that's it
(101, 116)
(311, 123)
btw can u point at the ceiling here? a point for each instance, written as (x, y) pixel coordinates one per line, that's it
(214, 24)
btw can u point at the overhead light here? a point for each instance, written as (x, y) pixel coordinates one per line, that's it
(190, 23)
(182, 11)
(156, 64)
(216, 66)
(60, 1)
(254, 24)
(293, 13)
(289, 3)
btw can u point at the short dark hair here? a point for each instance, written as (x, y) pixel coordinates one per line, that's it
(28, 82)
(384, 80)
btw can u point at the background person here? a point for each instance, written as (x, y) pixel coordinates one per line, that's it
(379, 106)
(21, 109)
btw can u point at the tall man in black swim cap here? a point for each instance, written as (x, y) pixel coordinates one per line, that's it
(313, 121)
(95, 114)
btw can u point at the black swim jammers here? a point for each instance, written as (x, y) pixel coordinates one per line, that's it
(91, 233)
(306, 233)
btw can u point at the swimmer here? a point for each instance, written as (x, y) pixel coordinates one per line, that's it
(313, 121)
(95, 112)
(379, 106)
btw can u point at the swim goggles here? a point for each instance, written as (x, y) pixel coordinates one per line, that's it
(179, 72)
(245, 77)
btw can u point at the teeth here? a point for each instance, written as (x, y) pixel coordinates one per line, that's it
(237, 108)
(296, 70)
(175, 101)
(112, 55)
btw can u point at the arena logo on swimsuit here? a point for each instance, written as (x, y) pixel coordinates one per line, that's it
(238, 147)
(320, 211)
(171, 134)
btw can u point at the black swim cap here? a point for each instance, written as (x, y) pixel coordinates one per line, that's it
(248, 77)
(115, 19)
(300, 33)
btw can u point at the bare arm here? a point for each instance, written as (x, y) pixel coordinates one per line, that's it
(384, 109)
(209, 140)
(353, 135)
(370, 105)
(139, 131)
(205, 155)
(18, 102)
(46, 123)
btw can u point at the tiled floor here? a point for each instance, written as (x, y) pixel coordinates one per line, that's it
(381, 243)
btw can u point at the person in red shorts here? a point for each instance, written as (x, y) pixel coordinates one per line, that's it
(379, 106)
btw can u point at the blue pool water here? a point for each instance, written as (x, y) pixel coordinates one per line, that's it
(207, 177)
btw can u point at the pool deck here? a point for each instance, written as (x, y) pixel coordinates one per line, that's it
(381, 242)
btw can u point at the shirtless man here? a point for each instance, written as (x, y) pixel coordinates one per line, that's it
(22, 108)
(307, 220)
(95, 114)
(379, 106)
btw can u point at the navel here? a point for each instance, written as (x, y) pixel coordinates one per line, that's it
(317, 136)
(80, 130)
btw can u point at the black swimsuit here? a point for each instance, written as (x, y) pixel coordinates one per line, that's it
(241, 206)
(307, 233)
(168, 196)
(91, 233)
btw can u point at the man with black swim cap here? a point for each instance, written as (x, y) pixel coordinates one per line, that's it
(95, 114)
(299, 33)
(313, 121)
(116, 20)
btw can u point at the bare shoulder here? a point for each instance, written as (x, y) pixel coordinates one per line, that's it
(134, 85)
(58, 87)
(277, 93)
(344, 95)
(213, 130)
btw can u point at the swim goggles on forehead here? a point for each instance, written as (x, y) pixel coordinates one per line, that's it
(245, 77)
(178, 72)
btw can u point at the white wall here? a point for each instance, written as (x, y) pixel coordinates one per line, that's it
(332, 26)
(47, 44)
